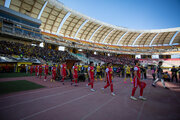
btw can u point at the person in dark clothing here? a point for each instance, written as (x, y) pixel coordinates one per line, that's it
(122, 71)
(159, 72)
(166, 76)
(145, 75)
(153, 72)
(174, 73)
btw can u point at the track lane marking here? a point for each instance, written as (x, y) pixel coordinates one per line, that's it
(57, 106)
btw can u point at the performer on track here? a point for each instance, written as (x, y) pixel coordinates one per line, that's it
(75, 74)
(36, 70)
(53, 73)
(31, 69)
(137, 82)
(46, 69)
(159, 72)
(98, 69)
(109, 73)
(91, 76)
(63, 71)
(128, 74)
(40, 71)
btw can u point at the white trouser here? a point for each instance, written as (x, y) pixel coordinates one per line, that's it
(159, 78)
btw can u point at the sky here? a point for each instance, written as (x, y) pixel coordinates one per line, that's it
(132, 14)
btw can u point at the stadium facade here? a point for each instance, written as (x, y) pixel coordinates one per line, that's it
(54, 23)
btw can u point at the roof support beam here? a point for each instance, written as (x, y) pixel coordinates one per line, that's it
(74, 27)
(94, 32)
(115, 37)
(110, 39)
(153, 39)
(130, 39)
(69, 25)
(102, 35)
(172, 39)
(62, 22)
(80, 28)
(55, 20)
(137, 39)
(107, 35)
(48, 18)
(7, 3)
(165, 38)
(121, 37)
(39, 16)
(147, 38)
(88, 34)
(99, 34)
(85, 31)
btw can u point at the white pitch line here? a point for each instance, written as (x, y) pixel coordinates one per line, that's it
(51, 108)
(28, 101)
(86, 116)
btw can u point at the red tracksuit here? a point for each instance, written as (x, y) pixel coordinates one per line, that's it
(63, 71)
(46, 68)
(109, 78)
(137, 82)
(91, 71)
(54, 73)
(31, 69)
(40, 70)
(75, 75)
(36, 70)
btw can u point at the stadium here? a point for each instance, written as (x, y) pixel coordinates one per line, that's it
(50, 52)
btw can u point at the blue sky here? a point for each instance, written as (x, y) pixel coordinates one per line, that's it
(133, 14)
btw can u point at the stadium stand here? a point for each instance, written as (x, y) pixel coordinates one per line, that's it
(55, 24)
(48, 55)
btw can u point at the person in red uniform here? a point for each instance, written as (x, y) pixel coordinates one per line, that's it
(91, 76)
(31, 69)
(109, 73)
(36, 70)
(53, 73)
(40, 71)
(137, 82)
(63, 71)
(46, 69)
(75, 74)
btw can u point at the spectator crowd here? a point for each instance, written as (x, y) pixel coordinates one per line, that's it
(49, 55)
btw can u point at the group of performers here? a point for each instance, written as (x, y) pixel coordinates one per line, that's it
(108, 76)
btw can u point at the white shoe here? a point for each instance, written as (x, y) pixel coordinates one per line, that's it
(113, 94)
(92, 90)
(87, 85)
(142, 98)
(133, 98)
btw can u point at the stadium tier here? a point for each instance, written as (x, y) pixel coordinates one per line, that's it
(53, 25)
(61, 20)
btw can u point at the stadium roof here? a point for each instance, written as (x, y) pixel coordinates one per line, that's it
(61, 20)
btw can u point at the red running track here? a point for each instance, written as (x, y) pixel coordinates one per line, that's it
(58, 102)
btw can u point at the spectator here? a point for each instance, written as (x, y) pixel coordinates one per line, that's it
(27, 68)
(153, 72)
(166, 76)
(174, 74)
(49, 55)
